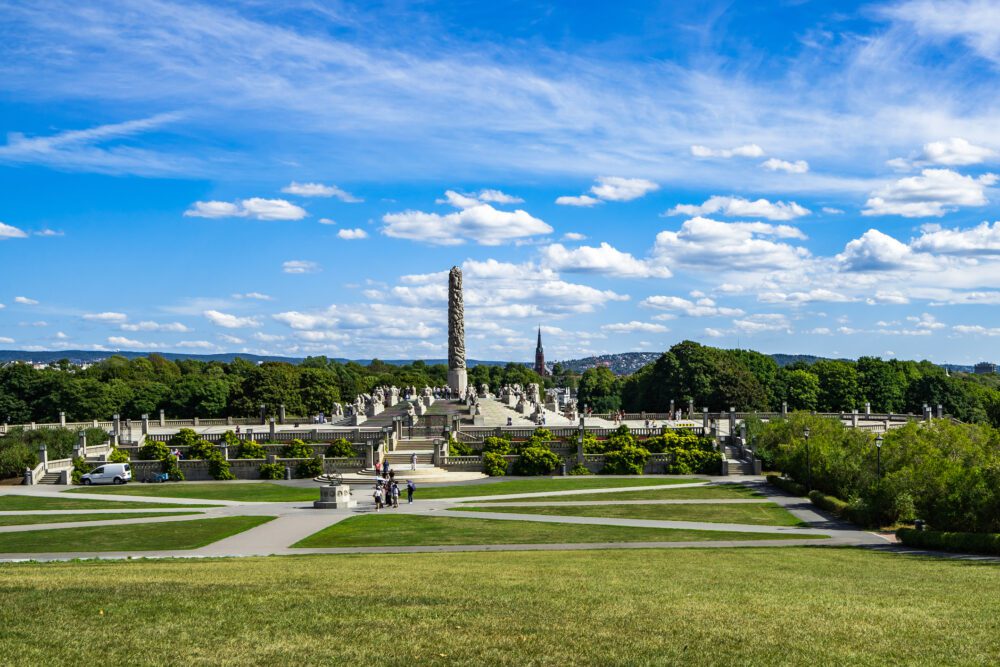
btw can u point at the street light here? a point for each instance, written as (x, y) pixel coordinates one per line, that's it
(809, 475)
(878, 458)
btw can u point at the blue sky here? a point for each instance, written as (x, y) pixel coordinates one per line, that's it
(297, 178)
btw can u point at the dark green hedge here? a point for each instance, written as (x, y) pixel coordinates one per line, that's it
(787, 485)
(978, 543)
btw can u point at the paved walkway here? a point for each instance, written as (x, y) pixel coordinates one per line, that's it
(295, 521)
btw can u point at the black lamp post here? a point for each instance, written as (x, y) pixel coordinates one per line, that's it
(809, 472)
(878, 458)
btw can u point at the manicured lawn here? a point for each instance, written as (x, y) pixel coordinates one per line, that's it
(374, 530)
(142, 537)
(244, 491)
(798, 606)
(762, 514)
(28, 519)
(689, 493)
(11, 502)
(539, 485)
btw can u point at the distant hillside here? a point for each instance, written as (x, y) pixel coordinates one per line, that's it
(625, 363)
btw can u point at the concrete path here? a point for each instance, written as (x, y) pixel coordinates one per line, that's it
(295, 521)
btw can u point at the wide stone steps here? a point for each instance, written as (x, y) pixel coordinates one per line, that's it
(403, 460)
(50, 478)
(739, 467)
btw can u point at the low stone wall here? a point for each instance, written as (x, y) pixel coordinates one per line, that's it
(319, 449)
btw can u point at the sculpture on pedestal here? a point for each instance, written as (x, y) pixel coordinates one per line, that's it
(457, 376)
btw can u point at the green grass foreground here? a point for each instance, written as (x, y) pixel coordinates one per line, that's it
(721, 492)
(540, 485)
(379, 530)
(757, 514)
(799, 606)
(28, 519)
(241, 491)
(168, 535)
(14, 502)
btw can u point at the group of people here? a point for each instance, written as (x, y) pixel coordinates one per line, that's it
(386, 491)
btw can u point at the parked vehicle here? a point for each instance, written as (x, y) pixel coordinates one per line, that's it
(109, 473)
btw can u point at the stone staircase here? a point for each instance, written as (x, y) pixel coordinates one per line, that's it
(50, 478)
(736, 465)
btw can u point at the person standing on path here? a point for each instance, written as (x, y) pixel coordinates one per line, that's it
(410, 488)
(378, 468)
(377, 495)
(413, 461)
(394, 490)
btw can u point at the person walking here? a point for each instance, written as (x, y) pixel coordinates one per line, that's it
(378, 468)
(413, 461)
(410, 488)
(394, 490)
(377, 495)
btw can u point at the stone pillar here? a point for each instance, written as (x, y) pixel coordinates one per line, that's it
(925, 413)
(704, 421)
(940, 411)
(732, 422)
(263, 414)
(784, 408)
(672, 413)
(81, 444)
(281, 414)
(271, 424)
(195, 422)
(62, 419)
(581, 432)
(225, 449)
(229, 421)
(370, 455)
(163, 418)
(854, 418)
(145, 424)
(457, 375)
(43, 457)
(690, 408)
(117, 424)
(868, 408)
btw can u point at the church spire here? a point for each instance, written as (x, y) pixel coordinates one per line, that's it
(540, 356)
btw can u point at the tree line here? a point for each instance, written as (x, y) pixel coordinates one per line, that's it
(719, 379)
(190, 388)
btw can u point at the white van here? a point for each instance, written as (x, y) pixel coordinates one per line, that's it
(109, 473)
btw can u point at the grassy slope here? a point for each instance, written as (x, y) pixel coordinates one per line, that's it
(410, 530)
(25, 502)
(762, 514)
(689, 493)
(244, 491)
(27, 519)
(142, 537)
(540, 484)
(799, 606)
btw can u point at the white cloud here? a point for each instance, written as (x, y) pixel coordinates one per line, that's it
(616, 188)
(498, 197)
(875, 251)
(326, 221)
(604, 259)
(797, 167)
(475, 221)
(703, 307)
(230, 321)
(121, 341)
(267, 338)
(635, 326)
(352, 234)
(742, 208)
(25, 301)
(10, 232)
(148, 325)
(925, 321)
(258, 296)
(747, 150)
(891, 297)
(296, 266)
(61, 336)
(832, 211)
(48, 233)
(983, 239)
(932, 194)
(5, 340)
(762, 322)
(320, 190)
(818, 294)
(714, 333)
(956, 152)
(708, 244)
(585, 201)
(233, 340)
(976, 329)
(254, 207)
(197, 344)
(106, 317)
(574, 236)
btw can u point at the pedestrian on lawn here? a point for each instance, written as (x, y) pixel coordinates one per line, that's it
(410, 488)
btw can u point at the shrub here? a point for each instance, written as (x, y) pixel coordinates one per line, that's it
(230, 439)
(787, 485)
(203, 449)
(829, 503)
(118, 456)
(580, 469)
(184, 438)
(536, 461)
(310, 467)
(172, 469)
(495, 445)
(80, 468)
(457, 448)
(543, 434)
(271, 471)
(154, 451)
(693, 461)
(249, 449)
(14, 458)
(297, 449)
(534, 442)
(629, 460)
(980, 543)
(218, 468)
(494, 464)
(341, 449)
